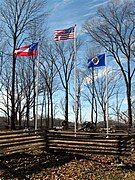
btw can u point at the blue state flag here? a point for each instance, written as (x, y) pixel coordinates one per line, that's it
(97, 61)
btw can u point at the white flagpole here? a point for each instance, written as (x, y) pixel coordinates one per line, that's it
(37, 78)
(106, 95)
(75, 80)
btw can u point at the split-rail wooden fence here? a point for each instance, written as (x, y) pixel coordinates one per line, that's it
(27, 141)
(21, 141)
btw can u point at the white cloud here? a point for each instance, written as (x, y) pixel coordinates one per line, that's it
(61, 4)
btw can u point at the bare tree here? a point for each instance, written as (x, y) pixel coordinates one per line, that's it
(6, 91)
(100, 90)
(96, 91)
(64, 62)
(114, 29)
(49, 78)
(25, 83)
(37, 32)
(116, 106)
(90, 94)
(20, 15)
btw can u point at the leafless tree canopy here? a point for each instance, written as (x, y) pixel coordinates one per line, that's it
(114, 30)
(21, 14)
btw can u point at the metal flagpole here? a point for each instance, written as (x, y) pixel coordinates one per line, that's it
(75, 80)
(93, 95)
(37, 78)
(106, 95)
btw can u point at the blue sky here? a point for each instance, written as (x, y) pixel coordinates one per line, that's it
(66, 13)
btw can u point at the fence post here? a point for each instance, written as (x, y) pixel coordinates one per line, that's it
(132, 147)
(46, 139)
(118, 156)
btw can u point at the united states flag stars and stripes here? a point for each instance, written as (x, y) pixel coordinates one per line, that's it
(64, 34)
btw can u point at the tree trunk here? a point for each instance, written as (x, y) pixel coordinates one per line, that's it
(129, 107)
(42, 110)
(48, 112)
(51, 99)
(66, 106)
(104, 114)
(27, 112)
(34, 92)
(13, 116)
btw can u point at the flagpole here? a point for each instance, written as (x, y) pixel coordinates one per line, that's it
(75, 81)
(107, 124)
(37, 79)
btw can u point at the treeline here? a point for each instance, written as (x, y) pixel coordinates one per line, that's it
(111, 30)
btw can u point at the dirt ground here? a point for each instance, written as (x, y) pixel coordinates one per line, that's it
(65, 167)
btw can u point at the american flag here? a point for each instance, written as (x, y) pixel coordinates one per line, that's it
(64, 34)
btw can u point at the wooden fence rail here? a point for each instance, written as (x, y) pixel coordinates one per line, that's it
(90, 143)
(80, 143)
(21, 141)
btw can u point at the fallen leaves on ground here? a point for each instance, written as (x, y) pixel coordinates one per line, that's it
(65, 167)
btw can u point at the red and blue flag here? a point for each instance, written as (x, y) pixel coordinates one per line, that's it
(29, 50)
